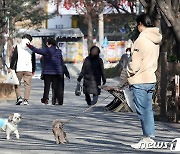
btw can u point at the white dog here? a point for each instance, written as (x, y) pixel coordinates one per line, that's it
(10, 125)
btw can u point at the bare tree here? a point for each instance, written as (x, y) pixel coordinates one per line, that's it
(2, 30)
(90, 9)
(123, 6)
(29, 13)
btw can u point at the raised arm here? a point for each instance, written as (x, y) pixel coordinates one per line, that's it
(36, 50)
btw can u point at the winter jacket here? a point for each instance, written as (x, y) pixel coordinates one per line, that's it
(53, 61)
(22, 58)
(145, 52)
(92, 71)
(66, 72)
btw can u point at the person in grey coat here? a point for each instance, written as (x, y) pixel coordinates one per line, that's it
(124, 59)
(92, 71)
(123, 68)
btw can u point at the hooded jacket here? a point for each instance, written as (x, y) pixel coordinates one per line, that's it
(144, 61)
(22, 58)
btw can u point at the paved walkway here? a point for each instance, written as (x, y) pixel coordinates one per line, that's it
(94, 132)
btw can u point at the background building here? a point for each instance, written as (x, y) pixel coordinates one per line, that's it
(70, 31)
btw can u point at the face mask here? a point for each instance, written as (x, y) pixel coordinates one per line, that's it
(128, 53)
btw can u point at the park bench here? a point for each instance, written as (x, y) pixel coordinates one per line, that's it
(119, 103)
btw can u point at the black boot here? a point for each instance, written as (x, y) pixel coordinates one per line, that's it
(88, 99)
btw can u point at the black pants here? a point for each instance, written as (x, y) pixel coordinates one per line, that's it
(88, 99)
(57, 82)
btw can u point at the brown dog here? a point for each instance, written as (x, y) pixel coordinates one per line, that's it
(58, 131)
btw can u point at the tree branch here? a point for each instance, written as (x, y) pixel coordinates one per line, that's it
(167, 12)
(116, 7)
(175, 5)
(152, 6)
(144, 4)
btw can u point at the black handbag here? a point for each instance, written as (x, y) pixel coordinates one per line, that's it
(78, 89)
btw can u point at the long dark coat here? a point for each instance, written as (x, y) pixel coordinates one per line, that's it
(92, 71)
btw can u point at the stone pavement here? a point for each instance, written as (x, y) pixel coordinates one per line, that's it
(94, 132)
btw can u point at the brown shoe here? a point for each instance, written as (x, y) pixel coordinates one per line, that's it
(44, 101)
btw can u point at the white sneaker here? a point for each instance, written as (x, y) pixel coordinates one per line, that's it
(144, 143)
(26, 102)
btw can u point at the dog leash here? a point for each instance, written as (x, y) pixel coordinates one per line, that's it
(74, 117)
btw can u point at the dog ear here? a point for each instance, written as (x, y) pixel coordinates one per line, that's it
(10, 118)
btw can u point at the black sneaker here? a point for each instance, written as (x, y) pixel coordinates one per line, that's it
(19, 100)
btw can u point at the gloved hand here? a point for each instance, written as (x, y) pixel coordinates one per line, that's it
(78, 80)
(29, 45)
(68, 76)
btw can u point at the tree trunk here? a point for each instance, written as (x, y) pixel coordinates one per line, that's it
(2, 39)
(90, 31)
(165, 49)
(101, 29)
(171, 16)
(10, 41)
(1, 6)
(163, 84)
(176, 30)
(9, 48)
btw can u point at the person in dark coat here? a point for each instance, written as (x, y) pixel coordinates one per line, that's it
(53, 71)
(66, 73)
(92, 71)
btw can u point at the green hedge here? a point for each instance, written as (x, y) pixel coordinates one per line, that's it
(113, 71)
